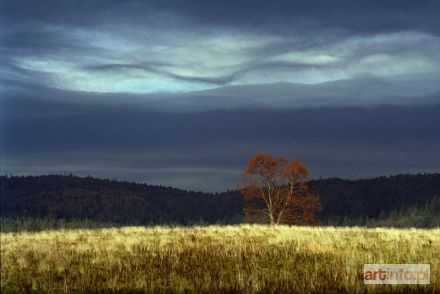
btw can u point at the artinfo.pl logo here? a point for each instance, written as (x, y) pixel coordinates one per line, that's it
(397, 274)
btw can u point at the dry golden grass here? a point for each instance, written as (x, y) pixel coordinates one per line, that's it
(246, 258)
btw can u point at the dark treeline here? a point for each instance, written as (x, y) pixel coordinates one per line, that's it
(371, 198)
(71, 197)
(378, 201)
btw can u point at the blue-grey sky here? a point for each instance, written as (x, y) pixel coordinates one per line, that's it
(182, 93)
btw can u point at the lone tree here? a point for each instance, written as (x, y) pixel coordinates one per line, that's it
(276, 191)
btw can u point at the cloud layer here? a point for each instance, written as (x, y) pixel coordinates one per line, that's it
(167, 46)
(183, 92)
(208, 150)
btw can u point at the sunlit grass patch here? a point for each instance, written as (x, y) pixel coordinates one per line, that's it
(248, 258)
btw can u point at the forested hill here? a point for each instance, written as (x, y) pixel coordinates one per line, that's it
(72, 197)
(371, 197)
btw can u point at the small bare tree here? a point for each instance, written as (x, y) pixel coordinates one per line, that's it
(276, 191)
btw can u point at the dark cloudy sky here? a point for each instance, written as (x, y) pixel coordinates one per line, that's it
(182, 93)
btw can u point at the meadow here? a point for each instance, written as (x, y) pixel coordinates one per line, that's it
(212, 259)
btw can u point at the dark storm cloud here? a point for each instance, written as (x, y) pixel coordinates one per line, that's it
(183, 92)
(208, 150)
(283, 17)
(364, 16)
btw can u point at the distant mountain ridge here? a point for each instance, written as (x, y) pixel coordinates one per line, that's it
(72, 197)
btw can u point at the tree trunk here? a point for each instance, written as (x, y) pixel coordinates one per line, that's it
(279, 217)
(272, 220)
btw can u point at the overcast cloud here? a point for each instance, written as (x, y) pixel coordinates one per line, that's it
(65, 65)
(184, 46)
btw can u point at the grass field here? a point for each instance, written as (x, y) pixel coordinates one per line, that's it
(246, 258)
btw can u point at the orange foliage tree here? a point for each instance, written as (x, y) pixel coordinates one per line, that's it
(276, 191)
